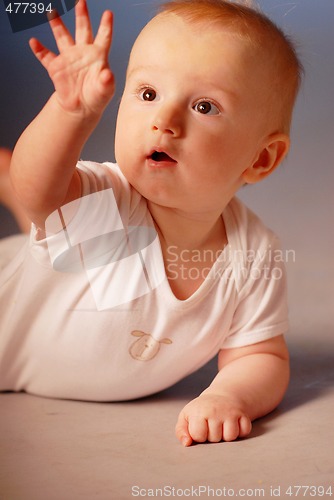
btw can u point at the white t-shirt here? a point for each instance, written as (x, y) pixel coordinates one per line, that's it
(87, 313)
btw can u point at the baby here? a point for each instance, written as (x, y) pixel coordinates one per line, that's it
(137, 274)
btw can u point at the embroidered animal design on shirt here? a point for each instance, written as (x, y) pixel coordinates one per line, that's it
(145, 347)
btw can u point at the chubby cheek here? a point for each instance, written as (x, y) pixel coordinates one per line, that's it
(123, 131)
(217, 172)
(121, 139)
(229, 156)
(126, 157)
(128, 139)
(209, 157)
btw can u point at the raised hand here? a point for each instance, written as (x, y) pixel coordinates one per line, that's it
(83, 81)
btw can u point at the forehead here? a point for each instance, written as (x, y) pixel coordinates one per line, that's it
(168, 40)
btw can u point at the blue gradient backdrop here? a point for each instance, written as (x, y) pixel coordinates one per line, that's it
(296, 201)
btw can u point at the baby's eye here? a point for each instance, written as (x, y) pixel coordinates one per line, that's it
(148, 94)
(206, 108)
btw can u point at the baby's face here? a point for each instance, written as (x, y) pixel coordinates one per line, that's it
(191, 119)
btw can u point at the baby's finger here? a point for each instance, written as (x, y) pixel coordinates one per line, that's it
(245, 426)
(104, 35)
(181, 431)
(198, 429)
(106, 85)
(61, 34)
(215, 431)
(83, 27)
(44, 55)
(230, 429)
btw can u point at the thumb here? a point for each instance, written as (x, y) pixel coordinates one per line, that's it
(181, 431)
(106, 84)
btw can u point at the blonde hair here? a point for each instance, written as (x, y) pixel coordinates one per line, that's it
(270, 43)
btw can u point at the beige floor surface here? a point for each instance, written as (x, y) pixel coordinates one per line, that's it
(64, 450)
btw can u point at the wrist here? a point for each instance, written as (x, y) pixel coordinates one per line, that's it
(79, 119)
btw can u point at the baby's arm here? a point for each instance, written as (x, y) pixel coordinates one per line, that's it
(44, 159)
(250, 383)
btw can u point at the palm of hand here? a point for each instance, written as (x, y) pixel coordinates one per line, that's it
(76, 76)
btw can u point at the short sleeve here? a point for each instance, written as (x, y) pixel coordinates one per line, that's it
(261, 306)
(95, 229)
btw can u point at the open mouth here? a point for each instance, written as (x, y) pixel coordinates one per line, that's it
(161, 156)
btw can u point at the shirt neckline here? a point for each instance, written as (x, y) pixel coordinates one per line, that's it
(215, 273)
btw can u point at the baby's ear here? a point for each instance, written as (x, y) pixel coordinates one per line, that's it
(271, 155)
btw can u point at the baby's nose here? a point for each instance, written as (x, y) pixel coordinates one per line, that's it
(167, 120)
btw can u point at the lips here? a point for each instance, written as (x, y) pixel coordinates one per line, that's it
(161, 158)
